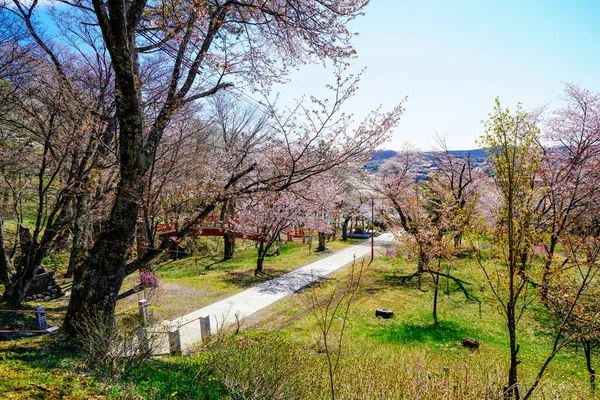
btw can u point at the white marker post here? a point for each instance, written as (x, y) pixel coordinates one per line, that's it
(204, 328)
(40, 318)
(174, 341)
(144, 313)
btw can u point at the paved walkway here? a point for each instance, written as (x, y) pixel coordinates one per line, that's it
(241, 305)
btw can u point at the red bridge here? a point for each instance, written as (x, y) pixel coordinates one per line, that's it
(212, 226)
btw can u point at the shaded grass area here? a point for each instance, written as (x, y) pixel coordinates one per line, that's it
(27, 321)
(417, 334)
(46, 368)
(42, 368)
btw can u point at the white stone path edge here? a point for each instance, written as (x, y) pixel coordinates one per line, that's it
(241, 305)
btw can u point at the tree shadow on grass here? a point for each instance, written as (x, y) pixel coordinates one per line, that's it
(412, 281)
(54, 370)
(247, 279)
(176, 378)
(421, 333)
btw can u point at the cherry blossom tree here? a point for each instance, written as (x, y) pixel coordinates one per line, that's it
(267, 214)
(572, 294)
(425, 215)
(49, 135)
(457, 178)
(569, 173)
(254, 41)
(164, 57)
(397, 184)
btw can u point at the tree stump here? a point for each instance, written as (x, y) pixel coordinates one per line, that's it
(470, 343)
(383, 313)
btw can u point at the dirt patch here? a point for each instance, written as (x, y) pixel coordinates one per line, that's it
(169, 301)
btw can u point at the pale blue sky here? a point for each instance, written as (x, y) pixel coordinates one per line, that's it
(453, 58)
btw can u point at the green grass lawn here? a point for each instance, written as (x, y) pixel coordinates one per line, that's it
(280, 353)
(412, 333)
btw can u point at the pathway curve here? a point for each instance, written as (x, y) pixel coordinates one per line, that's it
(241, 305)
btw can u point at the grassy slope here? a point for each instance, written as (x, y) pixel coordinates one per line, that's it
(412, 330)
(42, 368)
(415, 347)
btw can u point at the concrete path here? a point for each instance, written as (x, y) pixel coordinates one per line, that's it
(241, 305)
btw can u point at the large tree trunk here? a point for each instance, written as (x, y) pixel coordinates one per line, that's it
(81, 233)
(97, 283)
(228, 244)
(262, 251)
(422, 262)
(4, 274)
(322, 237)
(345, 229)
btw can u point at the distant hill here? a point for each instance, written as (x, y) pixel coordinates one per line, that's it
(477, 156)
(383, 154)
(475, 153)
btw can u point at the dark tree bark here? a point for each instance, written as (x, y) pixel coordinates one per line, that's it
(587, 349)
(548, 268)
(512, 391)
(436, 287)
(228, 233)
(345, 229)
(322, 237)
(262, 252)
(228, 244)
(97, 283)
(81, 233)
(33, 250)
(4, 274)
